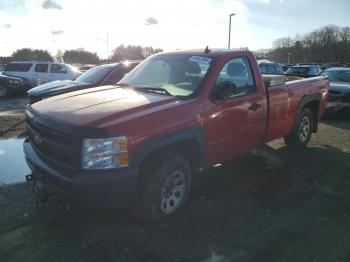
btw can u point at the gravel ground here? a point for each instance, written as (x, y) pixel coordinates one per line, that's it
(12, 119)
(245, 211)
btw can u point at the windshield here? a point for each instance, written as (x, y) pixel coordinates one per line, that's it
(297, 70)
(337, 75)
(177, 75)
(94, 75)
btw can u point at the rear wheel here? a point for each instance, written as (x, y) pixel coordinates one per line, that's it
(301, 134)
(164, 186)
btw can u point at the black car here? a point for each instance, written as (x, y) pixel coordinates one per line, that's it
(106, 74)
(304, 70)
(339, 90)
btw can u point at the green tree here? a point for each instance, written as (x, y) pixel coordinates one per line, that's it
(131, 52)
(5, 59)
(80, 56)
(28, 54)
(327, 44)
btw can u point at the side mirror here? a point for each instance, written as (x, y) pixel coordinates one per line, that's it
(225, 90)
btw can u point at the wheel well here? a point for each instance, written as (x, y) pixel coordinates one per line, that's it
(314, 106)
(189, 148)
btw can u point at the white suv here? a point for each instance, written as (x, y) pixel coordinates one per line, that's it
(35, 73)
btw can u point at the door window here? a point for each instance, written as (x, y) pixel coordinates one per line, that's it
(41, 68)
(57, 68)
(238, 72)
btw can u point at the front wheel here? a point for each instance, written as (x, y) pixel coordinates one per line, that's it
(301, 134)
(4, 91)
(164, 186)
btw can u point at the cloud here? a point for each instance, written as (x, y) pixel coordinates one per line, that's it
(57, 32)
(51, 4)
(151, 21)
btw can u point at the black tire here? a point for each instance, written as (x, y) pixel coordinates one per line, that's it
(4, 91)
(301, 133)
(154, 189)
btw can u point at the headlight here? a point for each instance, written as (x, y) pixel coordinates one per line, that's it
(105, 153)
(11, 81)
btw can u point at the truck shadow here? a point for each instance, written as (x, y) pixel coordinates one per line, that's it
(233, 200)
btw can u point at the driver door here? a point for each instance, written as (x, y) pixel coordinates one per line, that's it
(236, 122)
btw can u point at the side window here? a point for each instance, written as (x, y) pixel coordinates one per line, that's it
(18, 67)
(115, 76)
(239, 73)
(41, 68)
(279, 69)
(57, 68)
(313, 71)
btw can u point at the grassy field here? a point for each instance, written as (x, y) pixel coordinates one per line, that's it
(245, 212)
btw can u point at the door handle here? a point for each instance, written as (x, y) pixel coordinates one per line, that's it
(254, 107)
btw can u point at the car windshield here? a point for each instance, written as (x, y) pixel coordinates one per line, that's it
(337, 75)
(94, 75)
(179, 75)
(297, 70)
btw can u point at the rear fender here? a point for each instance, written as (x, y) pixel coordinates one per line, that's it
(308, 99)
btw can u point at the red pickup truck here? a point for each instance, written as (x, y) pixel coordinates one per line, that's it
(143, 142)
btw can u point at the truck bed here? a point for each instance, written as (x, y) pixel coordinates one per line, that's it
(284, 103)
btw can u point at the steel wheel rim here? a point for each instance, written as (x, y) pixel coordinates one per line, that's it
(172, 192)
(304, 128)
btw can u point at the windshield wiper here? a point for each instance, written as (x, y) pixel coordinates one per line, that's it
(157, 90)
(122, 84)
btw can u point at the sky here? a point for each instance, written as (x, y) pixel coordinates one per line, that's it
(166, 24)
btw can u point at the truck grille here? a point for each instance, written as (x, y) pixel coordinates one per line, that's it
(53, 147)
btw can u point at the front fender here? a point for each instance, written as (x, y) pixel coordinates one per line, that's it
(195, 133)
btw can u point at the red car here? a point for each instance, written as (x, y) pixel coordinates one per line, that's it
(141, 144)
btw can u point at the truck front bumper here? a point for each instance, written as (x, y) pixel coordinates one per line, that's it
(103, 189)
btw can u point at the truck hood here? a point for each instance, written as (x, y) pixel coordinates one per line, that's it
(96, 107)
(54, 86)
(340, 87)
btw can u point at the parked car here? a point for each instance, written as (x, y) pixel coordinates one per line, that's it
(267, 67)
(100, 75)
(9, 84)
(2, 66)
(142, 144)
(34, 73)
(339, 90)
(285, 67)
(304, 70)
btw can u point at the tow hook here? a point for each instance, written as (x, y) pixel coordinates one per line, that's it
(39, 188)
